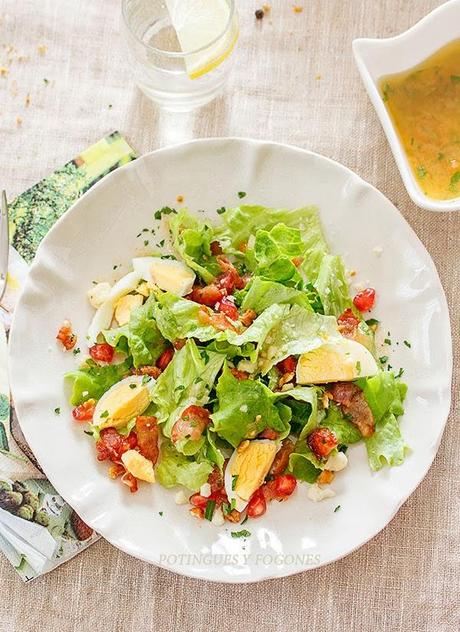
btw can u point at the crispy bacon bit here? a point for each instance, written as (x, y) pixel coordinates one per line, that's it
(218, 321)
(326, 477)
(240, 375)
(227, 307)
(66, 336)
(216, 480)
(179, 343)
(233, 516)
(165, 358)
(111, 445)
(288, 365)
(297, 261)
(354, 405)
(197, 512)
(208, 295)
(243, 246)
(147, 437)
(281, 460)
(152, 371)
(348, 323)
(364, 301)
(268, 433)
(191, 424)
(216, 248)
(197, 500)
(84, 412)
(322, 441)
(116, 470)
(130, 481)
(102, 352)
(230, 278)
(248, 317)
(284, 379)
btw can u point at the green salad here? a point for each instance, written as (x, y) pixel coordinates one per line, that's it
(235, 365)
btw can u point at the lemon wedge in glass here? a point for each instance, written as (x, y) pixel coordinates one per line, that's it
(208, 29)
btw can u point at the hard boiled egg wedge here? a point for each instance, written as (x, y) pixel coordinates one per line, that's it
(247, 468)
(342, 360)
(138, 466)
(170, 275)
(102, 319)
(122, 402)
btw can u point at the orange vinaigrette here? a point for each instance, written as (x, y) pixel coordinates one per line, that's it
(424, 104)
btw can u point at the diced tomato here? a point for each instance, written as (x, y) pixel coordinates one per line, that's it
(111, 445)
(131, 482)
(197, 500)
(165, 358)
(102, 352)
(364, 301)
(257, 505)
(268, 433)
(248, 317)
(215, 248)
(281, 460)
(288, 365)
(322, 441)
(284, 485)
(191, 424)
(240, 375)
(208, 295)
(66, 336)
(227, 307)
(84, 412)
(152, 371)
(147, 437)
(348, 317)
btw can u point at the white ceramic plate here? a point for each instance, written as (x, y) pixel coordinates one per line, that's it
(100, 232)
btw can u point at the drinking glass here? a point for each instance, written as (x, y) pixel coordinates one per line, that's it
(161, 69)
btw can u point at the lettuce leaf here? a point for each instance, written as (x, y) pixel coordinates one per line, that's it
(176, 469)
(144, 340)
(298, 332)
(261, 293)
(92, 380)
(385, 395)
(273, 253)
(187, 380)
(332, 285)
(178, 318)
(245, 408)
(343, 429)
(192, 240)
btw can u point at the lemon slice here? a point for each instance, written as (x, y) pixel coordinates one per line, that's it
(197, 24)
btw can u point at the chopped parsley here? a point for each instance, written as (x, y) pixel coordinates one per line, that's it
(337, 509)
(383, 359)
(104, 414)
(454, 180)
(160, 513)
(358, 367)
(455, 78)
(387, 341)
(166, 210)
(408, 344)
(221, 210)
(162, 243)
(342, 448)
(232, 504)
(400, 373)
(133, 386)
(209, 511)
(76, 351)
(234, 480)
(372, 322)
(46, 81)
(241, 194)
(146, 379)
(245, 519)
(57, 411)
(146, 242)
(244, 533)
(386, 91)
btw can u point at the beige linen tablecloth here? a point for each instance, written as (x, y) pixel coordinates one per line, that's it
(295, 82)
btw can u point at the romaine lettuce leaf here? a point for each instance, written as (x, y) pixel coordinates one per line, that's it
(343, 429)
(176, 469)
(261, 293)
(92, 380)
(298, 332)
(178, 318)
(385, 395)
(187, 380)
(245, 408)
(143, 338)
(192, 239)
(273, 253)
(332, 285)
